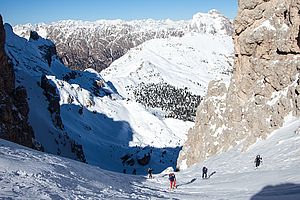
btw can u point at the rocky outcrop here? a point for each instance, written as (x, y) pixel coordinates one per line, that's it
(78, 150)
(144, 160)
(53, 98)
(13, 102)
(265, 86)
(38, 56)
(48, 49)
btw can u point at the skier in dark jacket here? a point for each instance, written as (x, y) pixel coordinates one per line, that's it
(204, 172)
(150, 171)
(134, 171)
(257, 160)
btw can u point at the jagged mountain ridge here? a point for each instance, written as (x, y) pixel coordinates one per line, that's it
(96, 45)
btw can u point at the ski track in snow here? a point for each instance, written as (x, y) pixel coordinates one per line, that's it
(28, 174)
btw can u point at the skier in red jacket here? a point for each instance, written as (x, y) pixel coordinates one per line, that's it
(172, 179)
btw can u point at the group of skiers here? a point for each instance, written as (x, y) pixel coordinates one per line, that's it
(172, 177)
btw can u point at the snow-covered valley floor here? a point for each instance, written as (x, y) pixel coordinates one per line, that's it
(27, 174)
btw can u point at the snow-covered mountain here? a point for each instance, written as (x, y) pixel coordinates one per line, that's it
(126, 120)
(80, 115)
(28, 174)
(84, 44)
(172, 74)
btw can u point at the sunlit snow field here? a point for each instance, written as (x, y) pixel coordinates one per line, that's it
(28, 174)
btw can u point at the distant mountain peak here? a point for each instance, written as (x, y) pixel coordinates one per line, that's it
(214, 12)
(212, 22)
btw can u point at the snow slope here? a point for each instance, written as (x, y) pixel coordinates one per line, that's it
(171, 75)
(190, 61)
(90, 117)
(28, 174)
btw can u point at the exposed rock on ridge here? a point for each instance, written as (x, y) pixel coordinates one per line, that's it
(13, 102)
(33, 63)
(265, 86)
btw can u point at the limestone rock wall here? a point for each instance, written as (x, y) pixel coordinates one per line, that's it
(265, 85)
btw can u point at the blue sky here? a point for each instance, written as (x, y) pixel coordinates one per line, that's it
(35, 11)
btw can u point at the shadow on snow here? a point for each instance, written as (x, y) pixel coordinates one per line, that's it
(287, 191)
(105, 141)
(187, 183)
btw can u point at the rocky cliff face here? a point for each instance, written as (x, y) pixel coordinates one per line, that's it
(13, 104)
(31, 64)
(264, 88)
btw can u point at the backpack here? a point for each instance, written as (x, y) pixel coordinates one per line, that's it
(171, 177)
